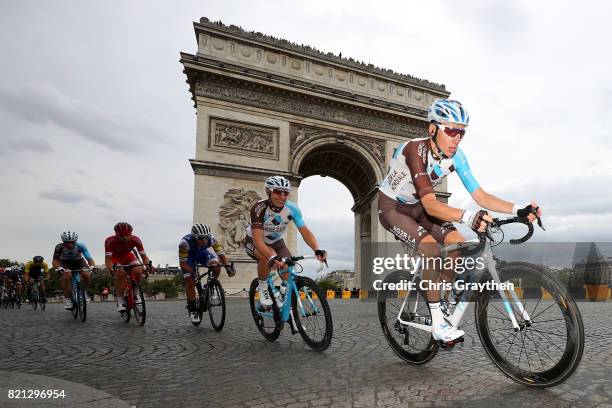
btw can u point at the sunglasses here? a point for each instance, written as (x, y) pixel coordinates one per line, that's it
(452, 132)
(281, 192)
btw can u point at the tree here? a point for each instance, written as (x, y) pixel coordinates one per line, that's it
(5, 263)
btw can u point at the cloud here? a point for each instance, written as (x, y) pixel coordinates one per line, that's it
(28, 145)
(45, 104)
(71, 197)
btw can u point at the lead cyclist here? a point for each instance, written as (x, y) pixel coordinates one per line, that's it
(409, 209)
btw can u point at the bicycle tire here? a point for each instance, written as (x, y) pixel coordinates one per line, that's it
(536, 278)
(34, 298)
(75, 302)
(215, 286)
(307, 307)
(398, 336)
(140, 309)
(82, 305)
(272, 330)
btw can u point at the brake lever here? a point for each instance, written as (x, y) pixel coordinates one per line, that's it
(535, 212)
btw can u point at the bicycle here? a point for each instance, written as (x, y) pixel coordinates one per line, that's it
(406, 320)
(135, 298)
(10, 298)
(310, 304)
(37, 295)
(210, 296)
(77, 295)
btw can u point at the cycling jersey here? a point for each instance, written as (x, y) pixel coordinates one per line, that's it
(414, 171)
(72, 255)
(113, 246)
(274, 221)
(191, 252)
(34, 270)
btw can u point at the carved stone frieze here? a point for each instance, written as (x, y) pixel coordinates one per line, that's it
(235, 217)
(299, 134)
(298, 105)
(236, 137)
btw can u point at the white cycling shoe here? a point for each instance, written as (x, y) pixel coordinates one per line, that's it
(68, 304)
(121, 307)
(194, 317)
(264, 297)
(446, 333)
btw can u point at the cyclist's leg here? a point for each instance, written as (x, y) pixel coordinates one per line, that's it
(213, 259)
(190, 290)
(263, 270)
(281, 250)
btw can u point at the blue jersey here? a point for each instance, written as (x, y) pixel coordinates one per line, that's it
(190, 252)
(76, 253)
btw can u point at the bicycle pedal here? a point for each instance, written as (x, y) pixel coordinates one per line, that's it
(449, 345)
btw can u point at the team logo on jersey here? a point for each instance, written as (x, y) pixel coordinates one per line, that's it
(422, 151)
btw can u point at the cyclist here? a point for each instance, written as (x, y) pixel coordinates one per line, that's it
(409, 209)
(12, 278)
(119, 249)
(34, 270)
(269, 220)
(200, 246)
(70, 255)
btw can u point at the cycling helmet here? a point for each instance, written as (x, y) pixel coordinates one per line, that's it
(123, 228)
(448, 110)
(69, 236)
(200, 230)
(278, 183)
(37, 259)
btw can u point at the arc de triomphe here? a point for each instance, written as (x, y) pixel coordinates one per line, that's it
(267, 106)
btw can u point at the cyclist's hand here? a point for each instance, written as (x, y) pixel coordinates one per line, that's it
(321, 254)
(277, 261)
(477, 220)
(530, 211)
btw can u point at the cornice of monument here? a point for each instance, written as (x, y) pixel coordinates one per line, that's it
(306, 51)
(198, 64)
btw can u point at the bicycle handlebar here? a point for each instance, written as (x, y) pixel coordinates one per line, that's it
(210, 268)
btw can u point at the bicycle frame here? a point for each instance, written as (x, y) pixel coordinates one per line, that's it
(460, 308)
(285, 311)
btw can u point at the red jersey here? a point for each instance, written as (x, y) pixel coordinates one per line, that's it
(113, 246)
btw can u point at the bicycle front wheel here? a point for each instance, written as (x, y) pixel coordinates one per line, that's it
(547, 347)
(267, 321)
(411, 344)
(76, 293)
(34, 299)
(311, 314)
(140, 310)
(216, 305)
(82, 305)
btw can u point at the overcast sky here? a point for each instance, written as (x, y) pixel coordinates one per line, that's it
(97, 125)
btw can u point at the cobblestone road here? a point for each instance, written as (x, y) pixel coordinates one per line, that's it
(171, 363)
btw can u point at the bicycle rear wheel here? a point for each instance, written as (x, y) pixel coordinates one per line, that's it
(140, 310)
(268, 325)
(312, 315)
(216, 304)
(411, 344)
(548, 347)
(42, 299)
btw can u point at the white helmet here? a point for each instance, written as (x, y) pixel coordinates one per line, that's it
(278, 183)
(448, 110)
(200, 230)
(69, 236)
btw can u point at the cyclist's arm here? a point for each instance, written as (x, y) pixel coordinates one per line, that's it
(86, 254)
(490, 202)
(56, 257)
(184, 256)
(141, 251)
(46, 269)
(309, 237)
(26, 272)
(439, 209)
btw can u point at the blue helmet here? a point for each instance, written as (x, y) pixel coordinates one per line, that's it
(448, 110)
